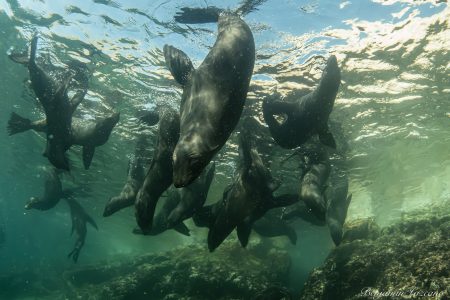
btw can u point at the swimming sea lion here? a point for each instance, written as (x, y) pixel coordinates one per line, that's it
(246, 200)
(161, 220)
(313, 184)
(271, 225)
(338, 203)
(307, 116)
(302, 211)
(192, 197)
(79, 220)
(213, 96)
(136, 174)
(86, 133)
(159, 175)
(53, 192)
(57, 108)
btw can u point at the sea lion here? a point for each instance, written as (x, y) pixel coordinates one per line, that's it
(192, 197)
(246, 200)
(161, 220)
(302, 211)
(86, 133)
(307, 116)
(338, 203)
(136, 174)
(79, 219)
(53, 192)
(213, 96)
(271, 225)
(159, 175)
(57, 107)
(313, 184)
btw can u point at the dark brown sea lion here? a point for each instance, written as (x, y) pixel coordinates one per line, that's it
(57, 107)
(246, 200)
(159, 175)
(161, 220)
(213, 96)
(53, 192)
(271, 225)
(136, 174)
(86, 133)
(307, 116)
(79, 219)
(192, 197)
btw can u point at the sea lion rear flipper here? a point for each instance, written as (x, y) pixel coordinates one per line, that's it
(243, 232)
(17, 124)
(62, 89)
(326, 138)
(182, 228)
(20, 58)
(91, 221)
(336, 219)
(88, 154)
(283, 200)
(178, 63)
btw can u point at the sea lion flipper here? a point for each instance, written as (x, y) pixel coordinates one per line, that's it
(326, 138)
(243, 232)
(292, 235)
(182, 228)
(77, 99)
(88, 154)
(17, 124)
(178, 63)
(20, 58)
(91, 221)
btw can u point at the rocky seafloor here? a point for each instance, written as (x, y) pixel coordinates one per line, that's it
(407, 260)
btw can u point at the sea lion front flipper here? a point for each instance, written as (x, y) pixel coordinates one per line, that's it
(88, 154)
(178, 63)
(243, 232)
(20, 58)
(326, 138)
(77, 99)
(182, 228)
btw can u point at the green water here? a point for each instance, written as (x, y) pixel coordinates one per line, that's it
(391, 116)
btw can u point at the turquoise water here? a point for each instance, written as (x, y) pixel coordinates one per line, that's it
(392, 113)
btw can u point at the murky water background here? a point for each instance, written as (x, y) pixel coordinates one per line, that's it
(392, 113)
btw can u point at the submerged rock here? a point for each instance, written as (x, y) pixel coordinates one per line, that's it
(185, 273)
(407, 260)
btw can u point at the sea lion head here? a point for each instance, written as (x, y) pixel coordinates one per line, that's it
(189, 161)
(30, 204)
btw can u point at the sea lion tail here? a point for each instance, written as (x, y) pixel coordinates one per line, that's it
(17, 124)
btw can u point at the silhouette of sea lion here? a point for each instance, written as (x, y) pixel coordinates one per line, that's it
(243, 202)
(86, 133)
(53, 192)
(307, 116)
(57, 107)
(271, 225)
(159, 176)
(136, 174)
(192, 197)
(213, 96)
(338, 203)
(79, 219)
(161, 220)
